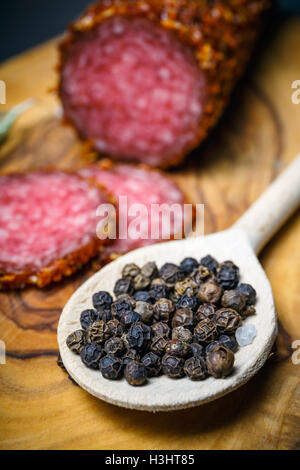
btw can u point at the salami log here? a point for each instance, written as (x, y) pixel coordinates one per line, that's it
(144, 195)
(47, 226)
(146, 80)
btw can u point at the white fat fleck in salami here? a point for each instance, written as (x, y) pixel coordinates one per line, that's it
(146, 187)
(45, 216)
(134, 89)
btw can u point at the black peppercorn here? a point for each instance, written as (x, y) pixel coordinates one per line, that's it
(228, 275)
(76, 340)
(158, 345)
(201, 274)
(171, 273)
(130, 270)
(196, 349)
(158, 289)
(173, 366)
(163, 308)
(98, 332)
(135, 373)
(210, 263)
(120, 307)
(183, 334)
(248, 311)
(123, 286)
(138, 336)
(129, 356)
(91, 355)
(149, 270)
(195, 368)
(185, 287)
(183, 317)
(178, 348)
(111, 367)
(210, 292)
(188, 265)
(114, 346)
(87, 317)
(233, 299)
(115, 327)
(211, 346)
(104, 314)
(143, 296)
(227, 320)
(205, 311)
(141, 282)
(187, 301)
(248, 292)
(129, 318)
(145, 310)
(152, 363)
(102, 299)
(205, 331)
(127, 298)
(229, 341)
(219, 361)
(160, 329)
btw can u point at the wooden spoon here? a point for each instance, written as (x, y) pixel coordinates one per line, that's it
(240, 244)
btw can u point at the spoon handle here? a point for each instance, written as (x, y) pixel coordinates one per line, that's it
(262, 220)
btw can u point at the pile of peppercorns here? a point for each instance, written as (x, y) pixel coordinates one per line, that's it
(176, 320)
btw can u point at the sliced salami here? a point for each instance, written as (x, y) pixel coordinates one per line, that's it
(47, 226)
(139, 192)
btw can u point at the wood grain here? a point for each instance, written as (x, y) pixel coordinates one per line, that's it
(257, 137)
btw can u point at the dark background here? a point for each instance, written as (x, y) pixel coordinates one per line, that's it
(26, 23)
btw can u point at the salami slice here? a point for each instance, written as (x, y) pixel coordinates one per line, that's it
(47, 226)
(144, 194)
(146, 80)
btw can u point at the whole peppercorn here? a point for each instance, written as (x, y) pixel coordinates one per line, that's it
(170, 273)
(123, 286)
(104, 314)
(111, 367)
(210, 263)
(98, 332)
(127, 298)
(201, 274)
(196, 349)
(229, 341)
(185, 287)
(187, 301)
(183, 334)
(129, 356)
(91, 355)
(143, 296)
(138, 336)
(141, 282)
(158, 345)
(145, 310)
(158, 289)
(114, 346)
(115, 327)
(205, 331)
(149, 270)
(76, 340)
(227, 320)
(87, 317)
(205, 311)
(248, 292)
(210, 292)
(102, 299)
(135, 373)
(248, 311)
(173, 366)
(188, 265)
(160, 329)
(163, 308)
(228, 275)
(183, 317)
(130, 270)
(129, 318)
(178, 348)
(219, 362)
(120, 307)
(152, 363)
(195, 368)
(233, 299)
(211, 346)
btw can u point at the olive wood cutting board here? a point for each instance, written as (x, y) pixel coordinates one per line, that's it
(258, 136)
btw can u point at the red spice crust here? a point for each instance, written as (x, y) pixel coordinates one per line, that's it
(221, 33)
(61, 267)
